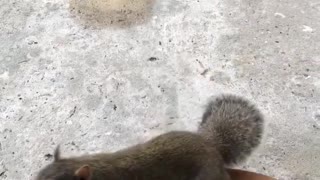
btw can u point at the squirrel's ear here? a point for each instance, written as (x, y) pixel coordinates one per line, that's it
(56, 154)
(84, 172)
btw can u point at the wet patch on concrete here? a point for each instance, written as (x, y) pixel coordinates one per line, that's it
(114, 13)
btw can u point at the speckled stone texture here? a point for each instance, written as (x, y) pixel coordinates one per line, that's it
(92, 77)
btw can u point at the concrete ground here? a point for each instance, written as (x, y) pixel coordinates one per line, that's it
(85, 75)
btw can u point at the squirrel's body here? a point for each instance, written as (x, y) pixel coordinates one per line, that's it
(231, 127)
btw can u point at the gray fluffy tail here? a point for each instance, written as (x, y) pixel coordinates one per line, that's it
(232, 125)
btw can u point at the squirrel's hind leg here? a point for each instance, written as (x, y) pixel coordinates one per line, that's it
(213, 171)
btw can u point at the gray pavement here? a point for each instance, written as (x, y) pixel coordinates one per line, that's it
(83, 74)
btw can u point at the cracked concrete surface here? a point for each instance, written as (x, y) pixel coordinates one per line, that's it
(92, 78)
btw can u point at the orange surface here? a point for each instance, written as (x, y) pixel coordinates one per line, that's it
(245, 175)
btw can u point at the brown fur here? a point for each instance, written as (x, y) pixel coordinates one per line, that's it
(177, 155)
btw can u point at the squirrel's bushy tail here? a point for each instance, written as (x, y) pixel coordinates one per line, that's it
(232, 125)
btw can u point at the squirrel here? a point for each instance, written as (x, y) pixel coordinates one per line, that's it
(231, 128)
